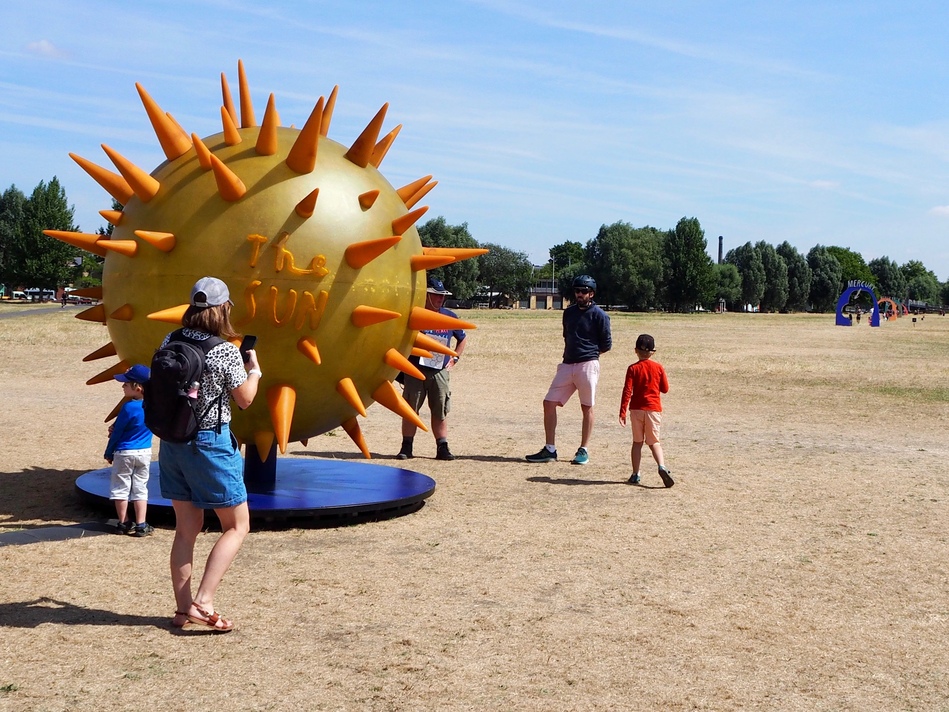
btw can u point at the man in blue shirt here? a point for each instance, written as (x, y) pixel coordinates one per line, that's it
(437, 384)
(586, 335)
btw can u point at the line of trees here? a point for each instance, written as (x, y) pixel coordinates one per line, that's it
(642, 268)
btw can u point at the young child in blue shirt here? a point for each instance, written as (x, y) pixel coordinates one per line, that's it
(129, 451)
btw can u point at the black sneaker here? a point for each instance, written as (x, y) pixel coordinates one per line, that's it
(443, 452)
(664, 474)
(122, 527)
(634, 479)
(143, 529)
(405, 454)
(544, 455)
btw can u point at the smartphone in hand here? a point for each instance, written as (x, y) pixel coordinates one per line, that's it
(247, 343)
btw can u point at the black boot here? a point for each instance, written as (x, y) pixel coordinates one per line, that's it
(406, 452)
(443, 452)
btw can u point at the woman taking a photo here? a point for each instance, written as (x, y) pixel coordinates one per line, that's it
(208, 472)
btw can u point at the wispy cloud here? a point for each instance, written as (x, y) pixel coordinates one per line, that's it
(45, 48)
(940, 210)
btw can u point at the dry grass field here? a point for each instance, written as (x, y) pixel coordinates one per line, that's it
(800, 562)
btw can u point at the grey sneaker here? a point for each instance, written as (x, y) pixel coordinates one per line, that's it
(666, 478)
(143, 529)
(634, 479)
(582, 457)
(544, 455)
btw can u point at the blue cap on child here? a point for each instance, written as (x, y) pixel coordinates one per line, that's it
(137, 374)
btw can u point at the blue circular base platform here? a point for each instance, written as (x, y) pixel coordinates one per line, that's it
(328, 492)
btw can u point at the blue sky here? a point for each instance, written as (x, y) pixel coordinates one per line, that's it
(811, 122)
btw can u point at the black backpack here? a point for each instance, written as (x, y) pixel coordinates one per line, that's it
(171, 392)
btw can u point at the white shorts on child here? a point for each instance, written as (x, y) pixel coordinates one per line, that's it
(129, 479)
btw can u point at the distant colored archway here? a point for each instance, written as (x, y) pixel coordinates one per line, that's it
(857, 286)
(893, 312)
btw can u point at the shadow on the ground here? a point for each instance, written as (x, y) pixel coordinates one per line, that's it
(575, 481)
(30, 614)
(41, 495)
(387, 457)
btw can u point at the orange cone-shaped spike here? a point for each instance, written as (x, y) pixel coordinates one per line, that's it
(382, 148)
(367, 199)
(267, 138)
(307, 347)
(83, 240)
(302, 156)
(281, 400)
(415, 198)
(426, 342)
(106, 375)
(247, 107)
(123, 247)
(353, 431)
(123, 313)
(202, 151)
(423, 319)
(144, 186)
(361, 150)
(229, 185)
(164, 241)
(459, 253)
(227, 99)
(410, 189)
(172, 315)
(114, 184)
(347, 389)
(101, 352)
(90, 292)
(264, 441)
(400, 225)
(174, 142)
(421, 353)
(96, 313)
(397, 360)
(387, 396)
(359, 254)
(363, 316)
(328, 111)
(306, 206)
(232, 136)
(113, 216)
(420, 262)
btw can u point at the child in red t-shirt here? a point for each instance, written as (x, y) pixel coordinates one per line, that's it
(645, 380)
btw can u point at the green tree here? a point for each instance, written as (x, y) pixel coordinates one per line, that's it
(776, 287)
(505, 272)
(562, 259)
(460, 278)
(727, 284)
(688, 277)
(888, 278)
(799, 277)
(39, 260)
(12, 210)
(748, 261)
(826, 279)
(852, 266)
(626, 263)
(921, 284)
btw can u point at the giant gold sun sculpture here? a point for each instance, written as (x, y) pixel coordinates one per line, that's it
(320, 253)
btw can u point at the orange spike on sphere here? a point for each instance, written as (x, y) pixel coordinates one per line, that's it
(302, 157)
(143, 185)
(82, 240)
(386, 395)
(113, 183)
(281, 400)
(352, 429)
(347, 389)
(360, 254)
(361, 151)
(174, 142)
(101, 352)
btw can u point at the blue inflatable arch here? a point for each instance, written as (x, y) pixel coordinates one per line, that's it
(856, 286)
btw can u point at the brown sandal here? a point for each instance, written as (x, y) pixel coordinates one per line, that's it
(211, 620)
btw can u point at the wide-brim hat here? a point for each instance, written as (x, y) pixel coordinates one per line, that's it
(436, 286)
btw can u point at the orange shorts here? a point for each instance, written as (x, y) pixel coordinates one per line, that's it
(645, 425)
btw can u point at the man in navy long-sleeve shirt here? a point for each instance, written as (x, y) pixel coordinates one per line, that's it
(586, 335)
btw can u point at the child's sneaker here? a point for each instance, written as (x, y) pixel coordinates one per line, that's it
(122, 527)
(664, 474)
(582, 457)
(634, 479)
(143, 529)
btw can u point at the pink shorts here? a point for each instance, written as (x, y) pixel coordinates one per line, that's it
(645, 425)
(573, 377)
